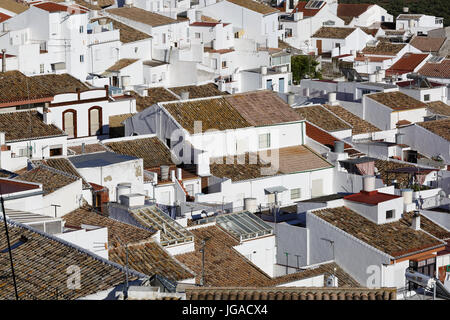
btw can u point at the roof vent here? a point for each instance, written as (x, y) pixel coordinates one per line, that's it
(415, 223)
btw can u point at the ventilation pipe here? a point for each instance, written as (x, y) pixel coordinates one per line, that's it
(291, 99)
(3, 60)
(339, 147)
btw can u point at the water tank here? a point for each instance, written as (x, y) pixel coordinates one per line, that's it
(339, 146)
(407, 195)
(164, 173)
(332, 98)
(184, 95)
(369, 183)
(419, 278)
(291, 99)
(250, 205)
(123, 188)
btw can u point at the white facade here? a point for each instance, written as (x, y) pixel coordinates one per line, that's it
(91, 238)
(418, 24)
(355, 41)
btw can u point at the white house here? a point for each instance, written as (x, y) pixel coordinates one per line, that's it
(48, 38)
(408, 63)
(417, 24)
(249, 156)
(250, 20)
(340, 41)
(363, 15)
(365, 234)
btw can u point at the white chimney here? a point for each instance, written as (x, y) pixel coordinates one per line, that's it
(298, 16)
(373, 77)
(263, 70)
(198, 16)
(184, 95)
(369, 183)
(405, 9)
(179, 174)
(2, 138)
(332, 98)
(172, 175)
(415, 223)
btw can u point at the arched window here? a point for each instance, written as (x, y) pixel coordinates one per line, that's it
(70, 123)
(95, 121)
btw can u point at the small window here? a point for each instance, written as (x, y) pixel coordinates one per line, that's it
(56, 152)
(426, 97)
(81, 29)
(390, 214)
(264, 141)
(81, 58)
(136, 49)
(197, 35)
(224, 64)
(236, 35)
(41, 68)
(295, 193)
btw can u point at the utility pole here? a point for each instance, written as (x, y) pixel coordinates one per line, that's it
(9, 248)
(298, 262)
(287, 262)
(202, 250)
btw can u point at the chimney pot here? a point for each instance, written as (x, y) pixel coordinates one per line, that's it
(415, 223)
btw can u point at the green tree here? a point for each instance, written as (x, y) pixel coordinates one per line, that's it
(304, 67)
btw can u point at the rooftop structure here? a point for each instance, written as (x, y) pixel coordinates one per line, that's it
(254, 6)
(396, 100)
(406, 64)
(142, 16)
(244, 225)
(323, 118)
(358, 125)
(438, 127)
(333, 32)
(99, 159)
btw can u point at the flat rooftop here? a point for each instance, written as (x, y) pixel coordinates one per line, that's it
(99, 159)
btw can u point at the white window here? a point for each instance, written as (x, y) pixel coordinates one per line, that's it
(264, 141)
(197, 35)
(295, 193)
(41, 68)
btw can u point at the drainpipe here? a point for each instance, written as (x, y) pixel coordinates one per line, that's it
(3, 60)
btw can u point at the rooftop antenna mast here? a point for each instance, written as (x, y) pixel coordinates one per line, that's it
(9, 245)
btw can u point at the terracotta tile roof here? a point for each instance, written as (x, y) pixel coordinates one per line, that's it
(150, 258)
(56, 7)
(61, 83)
(372, 197)
(88, 5)
(438, 127)
(14, 6)
(206, 24)
(322, 118)
(120, 64)
(429, 226)
(155, 95)
(322, 136)
(151, 150)
(427, 44)
(286, 293)
(333, 32)
(372, 59)
(348, 11)
(116, 121)
(384, 166)
(226, 267)
(142, 16)
(436, 70)
(209, 19)
(406, 64)
(214, 113)
(290, 160)
(370, 31)
(12, 186)
(359, 125)
(254, 6)
(50, 178)
(117, 230)
(263, 107)
(439, 107)
(219, 51)
(395, 238)
(202, 91)
(127, 33)
(41, 262)
(4, 17)
(384, 48)
(15, 87)
(64, 165)
(409, 16)
(306, 12)
(88, 148)
(23, 125)
(397, 100)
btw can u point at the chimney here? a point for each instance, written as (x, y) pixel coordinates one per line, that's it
(368, 183)
(291, 98)
(164, 173)
(263, 70)
(3, 60)
(172, 175)
(179, 174)
(332, 98)
(405, 9)
(83, 150)
(338, 146)
(415, 223)
(184, 95)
